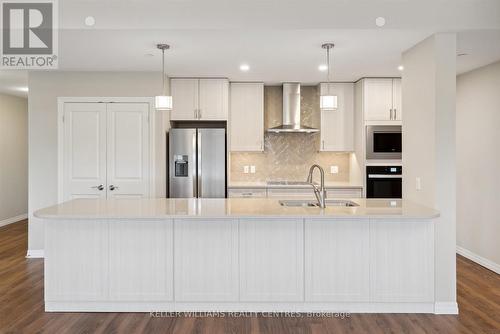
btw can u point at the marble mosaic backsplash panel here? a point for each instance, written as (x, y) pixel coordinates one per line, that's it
(289, 156)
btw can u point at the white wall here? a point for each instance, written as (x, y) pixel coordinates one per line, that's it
(13, 157)
(478, 162)
(429, 91)
(45, 87)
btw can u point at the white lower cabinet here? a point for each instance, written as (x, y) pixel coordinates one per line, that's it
(206, 260)
(271, 260)
(337, 261)
(135, 277)
(402, 261)
(307, 192)
(79, 272)
(247, 192)
(239, 263)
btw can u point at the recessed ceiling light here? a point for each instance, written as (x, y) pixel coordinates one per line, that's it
(401, 67)
(89, 21)
(323, 67)
(380, 21)
(244, 67)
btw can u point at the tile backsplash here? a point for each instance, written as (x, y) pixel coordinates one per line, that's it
(289, 156)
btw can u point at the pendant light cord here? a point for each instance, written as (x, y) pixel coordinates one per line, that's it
(328, 61)
(163, 70)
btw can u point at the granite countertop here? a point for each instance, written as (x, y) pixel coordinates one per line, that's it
(228, 207)
(266, 185)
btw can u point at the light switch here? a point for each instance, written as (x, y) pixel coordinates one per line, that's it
(334, 169)
(245, 169)
(418, 183)
(252, 169)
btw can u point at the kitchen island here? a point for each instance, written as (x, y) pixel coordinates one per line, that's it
(133, 255)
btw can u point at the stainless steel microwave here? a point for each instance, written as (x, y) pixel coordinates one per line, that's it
(383, 142)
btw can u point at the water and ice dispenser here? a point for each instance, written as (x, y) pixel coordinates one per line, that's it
(181, 165)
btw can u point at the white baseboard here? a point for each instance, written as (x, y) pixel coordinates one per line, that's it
(35, 254)
(495, 267)
(13, 219)
(445, 308)
(137, 306)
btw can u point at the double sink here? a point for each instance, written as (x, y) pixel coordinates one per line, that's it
(311, 203)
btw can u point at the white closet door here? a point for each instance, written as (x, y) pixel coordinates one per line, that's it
(84, 165)
(128, 150)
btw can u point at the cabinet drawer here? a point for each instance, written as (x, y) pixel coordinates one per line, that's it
(344, 193)
(291, 192)
(247, 192)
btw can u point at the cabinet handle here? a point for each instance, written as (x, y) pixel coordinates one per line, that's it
(199, 113)
(112, 187)
(395, 114)
(323, 144)
(99, 187)
(390, 114)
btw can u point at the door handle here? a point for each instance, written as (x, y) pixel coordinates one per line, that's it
(200, 181)
(113, 187)
(99, 187)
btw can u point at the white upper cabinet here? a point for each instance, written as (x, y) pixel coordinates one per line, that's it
(337, 126)
(184, 99)
(213, 99)
(199, 99)
(382, 99)
(396, 99)
(247, 117)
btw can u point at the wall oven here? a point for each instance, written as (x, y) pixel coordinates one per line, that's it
(384, 181)
(383, 142)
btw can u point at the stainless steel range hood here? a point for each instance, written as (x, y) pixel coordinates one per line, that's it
(291, 111)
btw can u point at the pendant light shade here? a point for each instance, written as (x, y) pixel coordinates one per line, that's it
(163, 102)
(328, 101)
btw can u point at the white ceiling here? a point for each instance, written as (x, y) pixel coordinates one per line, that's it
(279, 39)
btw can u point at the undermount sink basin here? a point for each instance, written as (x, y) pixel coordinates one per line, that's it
(298, 202)
(312, 203)
(340, 202)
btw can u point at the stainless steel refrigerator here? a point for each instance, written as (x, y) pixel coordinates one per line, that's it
(197, 163)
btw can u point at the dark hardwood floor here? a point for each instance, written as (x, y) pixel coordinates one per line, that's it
(22, 311)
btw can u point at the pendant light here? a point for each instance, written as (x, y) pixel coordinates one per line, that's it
(327, 100)
(164, 101)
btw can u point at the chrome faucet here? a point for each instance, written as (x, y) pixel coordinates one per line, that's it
(321, 192)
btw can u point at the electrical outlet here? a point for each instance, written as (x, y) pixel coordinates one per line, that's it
(245, 169)
(252, 169)
(334, 169)
(418, 183)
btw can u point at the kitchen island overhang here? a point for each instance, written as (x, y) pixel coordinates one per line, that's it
(245, 255)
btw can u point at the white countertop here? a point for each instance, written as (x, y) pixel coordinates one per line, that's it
(231, 207)
(342, 185)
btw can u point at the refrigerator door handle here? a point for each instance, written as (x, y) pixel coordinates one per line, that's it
(199, 162)
(193, 169)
